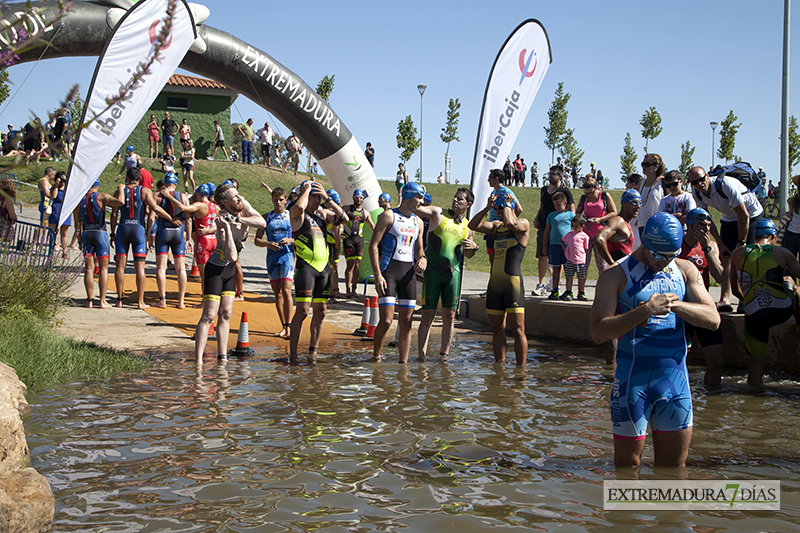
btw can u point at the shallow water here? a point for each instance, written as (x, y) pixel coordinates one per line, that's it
(346, 446)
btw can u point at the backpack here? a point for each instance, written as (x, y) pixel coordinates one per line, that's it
(743, 172)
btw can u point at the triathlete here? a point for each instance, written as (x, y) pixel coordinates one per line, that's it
(385, 201)
(92, 227)
(334, 240)
(505, 294)
(449, 242)
(277, 239)
(353, 242)
(615, 240)
(170, 236)
(131, 233)
(644, 299)
(770, 298)
(398, 234)
(219, 287)
(313, 272)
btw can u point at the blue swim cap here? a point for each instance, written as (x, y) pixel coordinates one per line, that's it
(630, 194)
(129, 148)
(170, 178)
(663, 233)
(358, 192)
(500, 203)
(765, 227)
(227, 182)
(413, 190)
(427, 199)
(698, 213)
(203, 189)
(385, 196)
(334, 196)
(211, 188)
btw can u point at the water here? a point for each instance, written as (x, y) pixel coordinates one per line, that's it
(346, 446)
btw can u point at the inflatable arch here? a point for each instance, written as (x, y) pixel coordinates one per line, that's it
(220, 56)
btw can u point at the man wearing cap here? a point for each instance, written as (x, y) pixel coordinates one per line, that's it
(644, 299)
(740, 211)
(132, 212)
(699, 248)
(313, 270)
(615, 240)
(132, 160)
(91, 225)
(170, 236)
(449, 242)
(398, 235)
(385, 201)
(769, 297)
(505, 294)
(247, 133)
(353, 243)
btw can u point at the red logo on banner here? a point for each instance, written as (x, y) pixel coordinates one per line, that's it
(524, 64)
(154, 33)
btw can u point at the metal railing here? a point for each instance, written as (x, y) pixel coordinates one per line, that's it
(30, 243)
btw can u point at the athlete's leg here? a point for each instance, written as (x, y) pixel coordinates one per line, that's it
(210, 308)
(161, 280)
(300, 313)
(448, 323)
(88, 279)
(424, 332)
(354, 278)
(180, 272)
(671, 448)
(349, 272)
(102, 281)
(224, 324)
(714, 360)
(516, 323)
(498, 323)
(628, 453)
(119, 276)
(404, 315)
(320, 310)
(140, 281)
(386, 317)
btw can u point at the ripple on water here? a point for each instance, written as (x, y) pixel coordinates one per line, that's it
(348, 446)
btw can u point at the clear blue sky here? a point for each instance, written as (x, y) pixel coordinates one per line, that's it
(694, 61)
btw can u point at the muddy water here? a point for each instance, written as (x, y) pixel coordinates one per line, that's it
(346, 446)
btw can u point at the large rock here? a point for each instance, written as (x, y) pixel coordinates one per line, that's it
(13, 448)
(26, 502)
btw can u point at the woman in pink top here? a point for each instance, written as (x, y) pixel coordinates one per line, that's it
(599, 208)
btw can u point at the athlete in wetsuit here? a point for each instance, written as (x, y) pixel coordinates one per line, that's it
(615, 240)
(131, 232)
(770, 298)
(505, 295)
(353, 243)
(313, 272)
(92, 227)
(170, 236)
(449, 242)
(334, 240)
(398, 233)
(219, 287)
(644, 300)
(277, 238)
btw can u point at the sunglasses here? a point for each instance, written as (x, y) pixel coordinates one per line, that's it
(671, 185)
(649, 164)
(697, 181)
(660, 257)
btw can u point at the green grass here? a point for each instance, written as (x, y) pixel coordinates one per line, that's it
(42, 358)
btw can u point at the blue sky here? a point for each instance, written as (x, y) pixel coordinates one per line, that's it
(694, 61)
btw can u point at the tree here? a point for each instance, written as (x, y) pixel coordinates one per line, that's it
(727, 137)
(5, 91)
(325, 87)
(569, 149)
(651, 126)
(556, 130)
(407, 140)
(794, 144)
(450, 130)
(687, 151)
(628, 158)
(75, 106)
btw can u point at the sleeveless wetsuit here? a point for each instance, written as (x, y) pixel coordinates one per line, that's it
(443, 273)
(206, 244)
(506, 290)
(170, 236)
(131, 228)
(651, 383)
(44, 202)
(130, 162)
(353, 242)
(767, 302)
(697, 256)
(280, 263)
(94, 237)
(312, 278)
(618, 250)
(57, 202)
(397, 261)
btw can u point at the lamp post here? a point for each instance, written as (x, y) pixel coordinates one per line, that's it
(421, 88)
(713, 127)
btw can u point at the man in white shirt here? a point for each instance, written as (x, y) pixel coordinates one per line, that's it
(740, 211)
(265, 135)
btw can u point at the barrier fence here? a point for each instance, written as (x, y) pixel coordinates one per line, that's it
(29, 243)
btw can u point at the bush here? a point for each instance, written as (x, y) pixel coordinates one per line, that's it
(39, 290)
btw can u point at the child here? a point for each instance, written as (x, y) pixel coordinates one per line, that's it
(576, 243)
(559, 223)
(168, 163)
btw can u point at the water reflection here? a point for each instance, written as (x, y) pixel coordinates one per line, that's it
(258, 446)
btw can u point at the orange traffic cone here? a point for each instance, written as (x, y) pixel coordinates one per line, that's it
(243, 340)
(374, 316)
(365, 316)
(195, 272)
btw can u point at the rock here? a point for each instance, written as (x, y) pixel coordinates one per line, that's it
(12, 388)
(26, 502)
(13, 448)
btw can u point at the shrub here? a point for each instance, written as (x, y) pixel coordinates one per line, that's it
(40, 290)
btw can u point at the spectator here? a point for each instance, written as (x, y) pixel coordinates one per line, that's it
(599, 208)
(8, 215)
(675, 201)
(535, 174)
(517, 171)
(247, 133)
(576, 244)
(369, 152)
(219, 141)
(615, 240)
(153, 137)
(653, 168)
(187, 165)
(185, 131)
(168, 127)
(265, 136)
(789, 236)
(293, 148)
(508, 170)
(540, 220)
(559, 223)
(400, 180)
(57, 198)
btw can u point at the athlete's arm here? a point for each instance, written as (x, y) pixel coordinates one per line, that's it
(611, 207)
(113, 222)
(147, 196)
(786, 259)
(604, 323)
(605, 233)
(736, 260)
(225, 239)
(520, 226)
(384, 221)
(251, 217)
(698, 307)
(422, 260)
(477, 223)
(469, 246)
(106, 200)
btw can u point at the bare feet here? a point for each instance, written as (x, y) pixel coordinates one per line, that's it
(239, 297)
(181, 305)
(162, 303)
(104, 305)
(143, 305)
(119, 302)
(88, 304)
(198, 306)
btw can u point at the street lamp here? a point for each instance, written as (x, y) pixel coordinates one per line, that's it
(421, 88)
(713, 127)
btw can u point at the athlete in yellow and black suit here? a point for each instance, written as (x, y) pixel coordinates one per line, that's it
(506, 293)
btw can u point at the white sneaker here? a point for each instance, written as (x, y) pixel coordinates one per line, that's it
(540, 290)
(210, 158)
